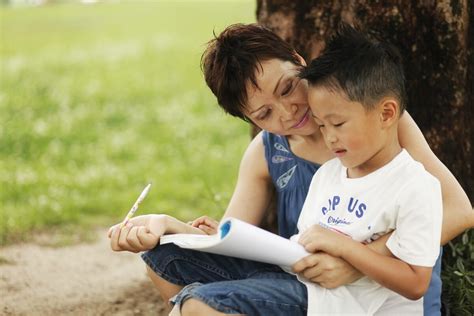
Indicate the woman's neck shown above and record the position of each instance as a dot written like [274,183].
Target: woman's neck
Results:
[310,147]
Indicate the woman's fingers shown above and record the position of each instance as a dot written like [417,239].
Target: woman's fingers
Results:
[208,230]
[147,239]
[133,242]
[114,239]
[205,220]
[122,241]
[206,224]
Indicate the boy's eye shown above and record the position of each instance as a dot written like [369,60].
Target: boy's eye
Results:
[339,124]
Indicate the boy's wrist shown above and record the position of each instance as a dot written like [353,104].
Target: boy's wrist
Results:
[346,247]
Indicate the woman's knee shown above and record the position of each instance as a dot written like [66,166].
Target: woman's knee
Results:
[194,307]
[166,289]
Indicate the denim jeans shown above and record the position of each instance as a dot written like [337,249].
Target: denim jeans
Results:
[229,285]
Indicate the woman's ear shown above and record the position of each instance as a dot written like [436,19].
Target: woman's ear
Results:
[389,111]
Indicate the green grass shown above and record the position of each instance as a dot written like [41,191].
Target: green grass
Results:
[98,100]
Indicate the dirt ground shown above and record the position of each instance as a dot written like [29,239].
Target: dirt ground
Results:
[83,279]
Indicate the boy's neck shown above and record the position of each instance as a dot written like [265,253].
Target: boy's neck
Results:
[381,158]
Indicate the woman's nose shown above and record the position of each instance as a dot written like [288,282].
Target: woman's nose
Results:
[288,111]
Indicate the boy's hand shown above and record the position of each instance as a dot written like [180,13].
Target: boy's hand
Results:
[206,224]
[317,238]
[141,233]
[326,270]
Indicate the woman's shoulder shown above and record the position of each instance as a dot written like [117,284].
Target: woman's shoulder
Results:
[254,157]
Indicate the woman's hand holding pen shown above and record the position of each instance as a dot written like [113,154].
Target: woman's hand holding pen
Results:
[143,232]
[139,234]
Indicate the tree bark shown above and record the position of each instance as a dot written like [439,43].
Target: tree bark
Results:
[435,39]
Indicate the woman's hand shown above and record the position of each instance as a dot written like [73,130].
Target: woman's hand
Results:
[326,270]
[141,233]
[206,224]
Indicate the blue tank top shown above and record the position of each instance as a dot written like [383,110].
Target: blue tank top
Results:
[291,176]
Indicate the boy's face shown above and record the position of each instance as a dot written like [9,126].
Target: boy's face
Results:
[353,134]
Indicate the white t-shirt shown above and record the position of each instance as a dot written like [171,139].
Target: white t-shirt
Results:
[400,196]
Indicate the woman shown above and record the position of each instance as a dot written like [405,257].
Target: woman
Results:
[252,72]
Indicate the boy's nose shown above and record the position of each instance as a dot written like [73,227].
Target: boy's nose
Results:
[331,137]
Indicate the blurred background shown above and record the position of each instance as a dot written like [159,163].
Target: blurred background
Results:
[99,98]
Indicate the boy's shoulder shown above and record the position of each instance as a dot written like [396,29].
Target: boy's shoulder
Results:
[332,166]
[415,175]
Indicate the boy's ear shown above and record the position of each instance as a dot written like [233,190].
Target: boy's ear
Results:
[301,59]
[389,112]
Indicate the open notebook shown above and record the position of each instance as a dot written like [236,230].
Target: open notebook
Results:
[239,239]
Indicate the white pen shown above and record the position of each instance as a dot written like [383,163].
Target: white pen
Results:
[135,205]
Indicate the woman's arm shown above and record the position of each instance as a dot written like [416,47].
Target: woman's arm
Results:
[249,202]
[457,210]
[253,190]
[143,232]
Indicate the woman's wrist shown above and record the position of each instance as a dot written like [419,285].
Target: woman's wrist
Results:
[158,224]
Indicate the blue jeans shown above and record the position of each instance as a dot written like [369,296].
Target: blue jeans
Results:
[432,298]
[229,285]
[232,285]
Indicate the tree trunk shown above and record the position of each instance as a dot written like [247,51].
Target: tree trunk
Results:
[435,39]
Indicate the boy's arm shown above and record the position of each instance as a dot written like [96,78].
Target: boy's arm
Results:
[408,280]
[458,214]
[331,272]
[415,241]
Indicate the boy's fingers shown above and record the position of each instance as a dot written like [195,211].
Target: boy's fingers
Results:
[304,263]
[312,246]
[312,273]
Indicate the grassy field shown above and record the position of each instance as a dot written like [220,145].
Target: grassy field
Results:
[98,100]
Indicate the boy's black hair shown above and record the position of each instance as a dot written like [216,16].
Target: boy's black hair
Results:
[360,65]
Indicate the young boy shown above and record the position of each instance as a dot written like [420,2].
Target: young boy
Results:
[357,94]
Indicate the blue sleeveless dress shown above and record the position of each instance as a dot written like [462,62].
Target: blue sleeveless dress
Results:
[291,176]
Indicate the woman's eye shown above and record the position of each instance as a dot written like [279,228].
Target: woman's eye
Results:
[339,124]
[264,115]
[287,89]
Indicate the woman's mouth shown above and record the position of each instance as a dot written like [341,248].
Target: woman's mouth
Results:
[303,120]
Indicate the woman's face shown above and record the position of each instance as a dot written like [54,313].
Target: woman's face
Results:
[280,106]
